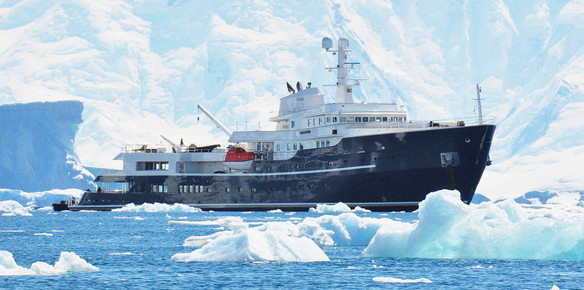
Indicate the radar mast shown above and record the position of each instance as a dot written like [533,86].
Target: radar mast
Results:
[344,94]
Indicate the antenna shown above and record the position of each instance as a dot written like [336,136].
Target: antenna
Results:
[478,99]
[344,93]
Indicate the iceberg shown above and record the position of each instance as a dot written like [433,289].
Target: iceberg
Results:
[448,228]
[40,198]
[272,242]
[13,208]
[68,262]
[39,154]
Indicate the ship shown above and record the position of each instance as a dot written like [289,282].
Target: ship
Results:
[362,154]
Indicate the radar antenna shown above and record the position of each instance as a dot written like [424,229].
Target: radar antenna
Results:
[344,92]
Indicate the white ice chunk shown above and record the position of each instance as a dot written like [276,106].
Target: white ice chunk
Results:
[255,245]
[68,262]
[398,280]
[157,207]
[331,209]
[14,208]
[448,228]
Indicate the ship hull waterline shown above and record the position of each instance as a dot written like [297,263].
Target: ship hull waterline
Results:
[386,172]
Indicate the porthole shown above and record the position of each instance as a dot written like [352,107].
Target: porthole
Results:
[240,189]
[253,189]
[320,164]
[227,189]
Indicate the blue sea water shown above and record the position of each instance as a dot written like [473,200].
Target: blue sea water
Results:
[134,250]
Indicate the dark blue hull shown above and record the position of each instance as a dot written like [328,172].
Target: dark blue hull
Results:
[381,172]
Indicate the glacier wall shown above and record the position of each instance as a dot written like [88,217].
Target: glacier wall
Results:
[37,146]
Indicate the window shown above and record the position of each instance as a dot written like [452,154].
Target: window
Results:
[155,165]
[278,147]
[384,119]
[378,119]
[321,143]
[319,121]
[295,146]
[191,188]
[350,119]
[328,119]
[288,147]
[358,119]
[334,119]
[317,144]
[365,119]
[292,124]
[309,122]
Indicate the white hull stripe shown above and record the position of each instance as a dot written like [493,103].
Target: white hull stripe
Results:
[261,174]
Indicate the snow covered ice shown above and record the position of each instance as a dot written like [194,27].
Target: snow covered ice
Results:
[12,208]
[272,243]
[157,207]
[68,262]
[447,228]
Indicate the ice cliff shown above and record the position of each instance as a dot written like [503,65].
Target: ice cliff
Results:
[37,151]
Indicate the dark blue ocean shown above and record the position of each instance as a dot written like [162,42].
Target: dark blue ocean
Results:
[134,250]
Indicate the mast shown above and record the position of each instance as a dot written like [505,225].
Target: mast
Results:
[344,92]
[479,104]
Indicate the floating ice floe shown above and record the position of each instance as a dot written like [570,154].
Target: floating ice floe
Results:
[335,208]
[68,262]
[41,198]
[270,242]
[157,207]
[344,229]
[448,228]
[398,280]
[14,208]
